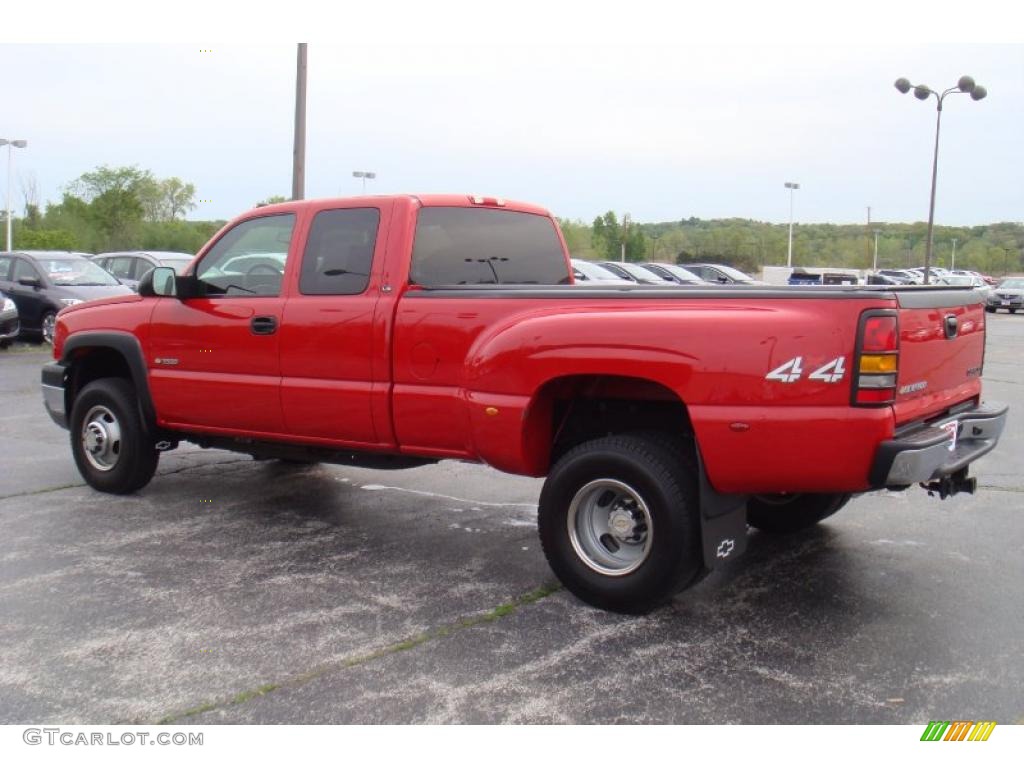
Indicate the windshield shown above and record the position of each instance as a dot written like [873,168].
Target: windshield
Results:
[75,272]
[595,271]
[682,273]
[959,280]
[1014,283]
[178,264]
[735,274]
[641,273]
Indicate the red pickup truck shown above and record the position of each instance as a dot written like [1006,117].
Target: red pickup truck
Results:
[401,330]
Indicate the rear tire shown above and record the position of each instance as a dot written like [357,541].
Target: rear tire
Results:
[619,522]
[1013,311]
[990,309]
[784,514]
[112,447]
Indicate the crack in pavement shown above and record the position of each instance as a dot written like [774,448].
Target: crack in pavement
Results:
[179,470]
[407,644]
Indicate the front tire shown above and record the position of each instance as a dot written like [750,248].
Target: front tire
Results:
[619,522]
[111,445]
[783,514]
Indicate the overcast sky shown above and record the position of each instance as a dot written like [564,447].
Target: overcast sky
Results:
[661,131]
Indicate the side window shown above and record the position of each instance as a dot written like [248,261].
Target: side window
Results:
[249,260]
[5,267]
[121,267]
[23,269]
[339,252]
[474,246]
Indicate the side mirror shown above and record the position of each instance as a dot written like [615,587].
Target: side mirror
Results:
[31,282]
[158,282]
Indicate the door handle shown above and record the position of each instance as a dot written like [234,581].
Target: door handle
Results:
[264,325]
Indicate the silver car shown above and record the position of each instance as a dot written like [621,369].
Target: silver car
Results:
[10,326]
[1008,295]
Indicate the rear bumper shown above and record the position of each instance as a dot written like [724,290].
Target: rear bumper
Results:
[930,452]
[53,393]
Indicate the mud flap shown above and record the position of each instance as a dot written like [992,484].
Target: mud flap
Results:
[723,523]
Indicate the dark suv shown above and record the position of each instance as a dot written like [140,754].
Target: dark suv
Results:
[41,283]
[130,266]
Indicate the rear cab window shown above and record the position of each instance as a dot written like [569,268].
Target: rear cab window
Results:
[339,252]
[474,246]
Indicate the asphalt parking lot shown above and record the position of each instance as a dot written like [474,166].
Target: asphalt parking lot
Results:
[234,591]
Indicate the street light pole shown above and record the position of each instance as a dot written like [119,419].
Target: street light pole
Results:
[965,84]
[625,233]
[875,268]
[20,144]
[791,186]
[952,259]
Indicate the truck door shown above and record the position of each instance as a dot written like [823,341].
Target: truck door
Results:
[214,359]
[334,364]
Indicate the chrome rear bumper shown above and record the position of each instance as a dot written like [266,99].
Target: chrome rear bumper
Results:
[932,452]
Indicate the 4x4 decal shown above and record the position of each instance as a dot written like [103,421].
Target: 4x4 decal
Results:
[790,371]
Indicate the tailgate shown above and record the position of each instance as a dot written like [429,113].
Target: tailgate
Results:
[942,348]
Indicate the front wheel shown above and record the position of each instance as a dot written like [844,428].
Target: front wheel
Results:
[110,443]
[990,309]
[618,522]
[789,513]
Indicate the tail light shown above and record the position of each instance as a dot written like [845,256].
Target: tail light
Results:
[876,359]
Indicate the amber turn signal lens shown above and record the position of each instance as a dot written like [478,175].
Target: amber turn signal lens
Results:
[878,363]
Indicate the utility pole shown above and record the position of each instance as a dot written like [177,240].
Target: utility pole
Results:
[952,259]
[875,269]
[299,155]
[790,185]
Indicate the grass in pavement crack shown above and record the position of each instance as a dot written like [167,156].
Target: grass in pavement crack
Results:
[407,644]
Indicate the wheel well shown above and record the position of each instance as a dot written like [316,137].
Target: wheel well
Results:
[573,409]
[93,363]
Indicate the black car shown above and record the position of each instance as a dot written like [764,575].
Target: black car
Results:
[674,272]
[41,283]
[130,266]
[10,326]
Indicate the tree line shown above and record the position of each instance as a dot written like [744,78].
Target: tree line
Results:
[129,208]
[114,209]
[750,245]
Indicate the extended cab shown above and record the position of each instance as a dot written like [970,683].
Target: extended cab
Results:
[400,330]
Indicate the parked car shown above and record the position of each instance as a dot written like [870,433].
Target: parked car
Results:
[42,283]
[630,271]
[10,326]
[1008,295]
[720,273]
[970,272]
[968,281]
[901,276]
[130,266]
[675,273]
[588,273]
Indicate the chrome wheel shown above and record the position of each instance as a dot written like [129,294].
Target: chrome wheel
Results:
[49,323]
[610,527]
[101,438]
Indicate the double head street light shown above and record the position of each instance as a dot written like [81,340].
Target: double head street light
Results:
[20,144]
[965,85]
[364,175]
